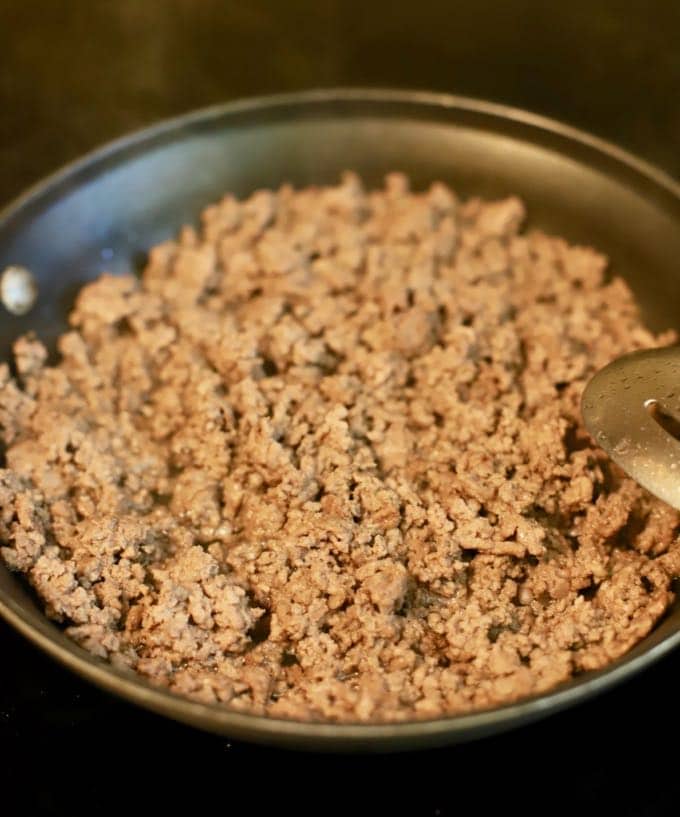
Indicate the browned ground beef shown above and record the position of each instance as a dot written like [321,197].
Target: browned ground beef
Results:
[326,461]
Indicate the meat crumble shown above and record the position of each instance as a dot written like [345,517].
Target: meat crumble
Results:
[325,460]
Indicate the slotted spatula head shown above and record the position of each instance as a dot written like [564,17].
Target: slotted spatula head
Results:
[629,407]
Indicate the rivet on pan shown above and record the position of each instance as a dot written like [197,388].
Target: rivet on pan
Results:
[18,290]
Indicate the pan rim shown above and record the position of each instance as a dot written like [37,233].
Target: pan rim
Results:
[328,735]
[341,94]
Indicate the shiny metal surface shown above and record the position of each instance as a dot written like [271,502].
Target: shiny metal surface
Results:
[623,408]
[108,209]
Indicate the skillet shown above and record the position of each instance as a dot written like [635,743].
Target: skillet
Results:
[105,211]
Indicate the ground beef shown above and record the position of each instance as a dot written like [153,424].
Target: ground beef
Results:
[325,460]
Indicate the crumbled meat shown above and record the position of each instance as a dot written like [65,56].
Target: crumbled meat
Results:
[325,460]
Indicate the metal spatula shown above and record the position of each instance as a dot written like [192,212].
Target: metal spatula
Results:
[630,408]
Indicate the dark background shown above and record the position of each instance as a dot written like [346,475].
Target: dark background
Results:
[76,73]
